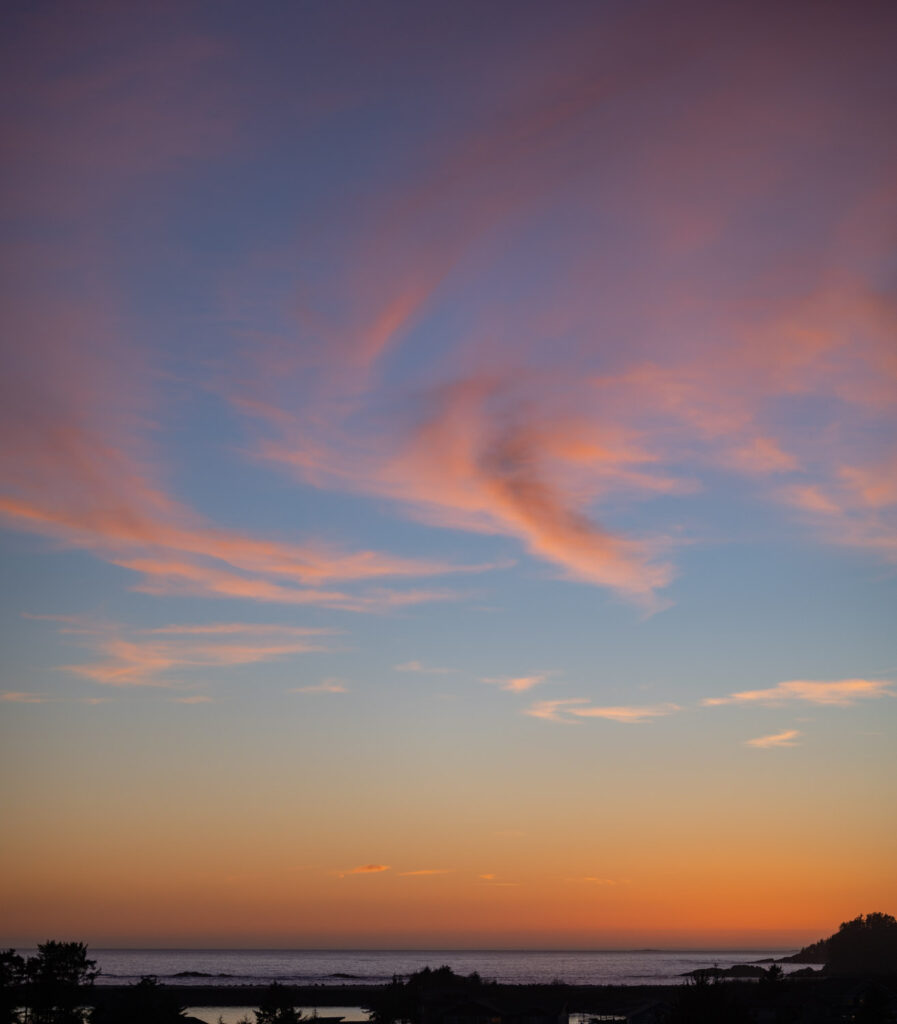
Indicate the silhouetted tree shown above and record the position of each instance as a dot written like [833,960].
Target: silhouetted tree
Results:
[706,1001]
[404,1001]
[772,979]
[147,1002]
[864,946]
[57,983]
[278,1007]
[393,1002]
[12,977]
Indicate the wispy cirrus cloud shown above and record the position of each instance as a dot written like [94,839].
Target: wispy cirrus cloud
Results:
[419,666]
[243,628]
[855,507]
[155,657]
[19,697]
[421,872]
[13,697]
[837,693]
[367,869]
[77,470]
[325,686]
[533,422]
[478,462]
[574,709]
[788,738]
[518,684]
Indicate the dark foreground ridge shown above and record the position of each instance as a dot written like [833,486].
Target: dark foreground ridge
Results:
[821,1001]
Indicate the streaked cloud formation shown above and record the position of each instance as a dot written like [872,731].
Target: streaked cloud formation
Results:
[134,657]
[572,709]
[787,738]
[417,666]
[326,686]
[424,871]
[839,692]
[518,684]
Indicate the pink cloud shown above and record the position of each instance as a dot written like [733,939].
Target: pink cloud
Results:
[148,98]
[838,693]
[519,684]
[630,372]
[417,666]
[327,686]
[500,437]
[872,486]
[243,628]
[788,738]
[469,465]
[762,455]
[130,657]
[573,709]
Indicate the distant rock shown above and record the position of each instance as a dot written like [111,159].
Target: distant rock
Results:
[737,971]
[199,974]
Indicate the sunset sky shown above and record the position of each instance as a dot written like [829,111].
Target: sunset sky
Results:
[449,472]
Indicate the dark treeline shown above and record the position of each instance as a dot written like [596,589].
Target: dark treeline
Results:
[56,986]
[49,988]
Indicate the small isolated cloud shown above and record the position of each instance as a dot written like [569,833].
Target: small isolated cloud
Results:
[780,739]
[487,878]
[368,869]
[425,871]
[419,666]
[325,686]
[631,715]
[573,709]
[839,692]
[518,684]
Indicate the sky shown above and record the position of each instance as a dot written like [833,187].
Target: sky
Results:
[449,476]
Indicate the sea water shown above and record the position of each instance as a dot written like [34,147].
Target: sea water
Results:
[377,967]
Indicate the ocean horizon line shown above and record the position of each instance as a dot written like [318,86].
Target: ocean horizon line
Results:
[438,949]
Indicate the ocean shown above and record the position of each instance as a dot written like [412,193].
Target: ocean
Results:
[376,967]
